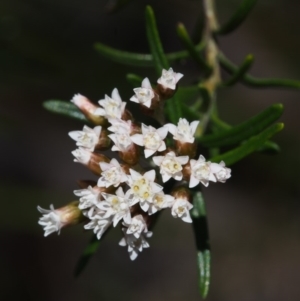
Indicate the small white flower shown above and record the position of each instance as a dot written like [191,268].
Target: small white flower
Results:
[88,197]
[119,124]
[169,78]
[201,171]
[151,139]
[142,188]
[135,245]
[98,224]
[181,208]
[51,220]
[171,166]
[184,131]
[160,201]
[221,172]
[122,141]
[144,94]
[137,226]
[111,107]
[82,155]
[116,206]
[112,174]
[87,138]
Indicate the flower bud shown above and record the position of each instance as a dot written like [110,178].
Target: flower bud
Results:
[55,219]
[90,160]
[88,109]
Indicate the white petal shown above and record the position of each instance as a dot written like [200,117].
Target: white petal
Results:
[150,175]
[163,132]
[157,160]
[137,139]
[148,152]
[193,182]
[146,83]
[187,218]
[115,95]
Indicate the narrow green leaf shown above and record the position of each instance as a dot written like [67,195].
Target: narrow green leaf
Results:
[241,71]
[124,57]
[249,146]
[255,82]
[139,59]
[200,225]
[269,148]
[159,58]
[189,45]
[64,108]
[134,80]
[238,17]
[245,130]
[88,252]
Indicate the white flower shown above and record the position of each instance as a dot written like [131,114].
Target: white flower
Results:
[88,197]
[144,94]
[111,107]
[119,124]
[221,172]
[98,224]
[160,201]
[135,245]
[82,155]
[137,226]
[181,208]
[201,171]
[151,139]
[142,188]
[87,138]
[170,166]
[122,140]
[184,131]
[169,78]
[116,206]
[51,220]
[112,174]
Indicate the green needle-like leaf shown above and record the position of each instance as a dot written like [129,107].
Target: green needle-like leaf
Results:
[124,57]
[255,82]
[88,252]
[200,226]
[189,45]
[249,146]
[269,148]
[245,130]
[64,108]
[238,17]
[241,71]
[139,59]
[159,58]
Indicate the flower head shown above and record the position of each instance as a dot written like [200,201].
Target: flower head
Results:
[112,107]
[54,219]
[201,171]
[181,208]
[137,226]
[142,188]
[87,138]
[170,166]
[151,139]
[144,94]
[112,174]
[184,131]
[221,172]
[169,78]
[160,201]
[88,197]
[135,245]
[115,206]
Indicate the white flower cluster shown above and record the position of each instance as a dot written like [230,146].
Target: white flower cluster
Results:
[128,193]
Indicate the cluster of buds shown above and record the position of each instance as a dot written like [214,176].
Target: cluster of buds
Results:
[130,191]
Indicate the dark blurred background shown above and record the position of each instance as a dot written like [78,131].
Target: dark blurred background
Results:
[46,52]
